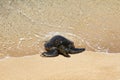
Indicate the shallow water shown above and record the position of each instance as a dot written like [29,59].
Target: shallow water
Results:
[26,24]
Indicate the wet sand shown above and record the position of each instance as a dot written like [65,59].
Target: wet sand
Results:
[85,66]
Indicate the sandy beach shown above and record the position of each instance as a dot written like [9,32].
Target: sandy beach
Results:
[84,66]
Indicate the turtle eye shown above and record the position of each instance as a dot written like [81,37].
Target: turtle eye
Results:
[47,49]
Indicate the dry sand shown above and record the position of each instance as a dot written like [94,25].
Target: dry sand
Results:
[85,66]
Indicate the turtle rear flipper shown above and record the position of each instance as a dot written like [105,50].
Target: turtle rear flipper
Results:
[76,50]
[51,53]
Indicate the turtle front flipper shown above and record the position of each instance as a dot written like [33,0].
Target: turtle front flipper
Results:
[76,50]
[51,53]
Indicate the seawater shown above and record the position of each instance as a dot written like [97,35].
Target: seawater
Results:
[25,25]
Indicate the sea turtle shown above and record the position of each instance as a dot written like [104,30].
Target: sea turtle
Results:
[60,45]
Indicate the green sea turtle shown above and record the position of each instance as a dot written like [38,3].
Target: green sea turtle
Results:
[60,45]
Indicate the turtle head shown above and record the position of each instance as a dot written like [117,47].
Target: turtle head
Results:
[48,46]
